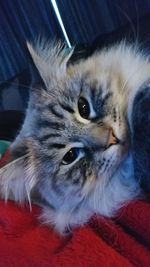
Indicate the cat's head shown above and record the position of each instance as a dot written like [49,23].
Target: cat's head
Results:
[75,134]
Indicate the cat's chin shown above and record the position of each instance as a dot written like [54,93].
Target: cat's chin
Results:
[105,200]
[112,193]
[64,221]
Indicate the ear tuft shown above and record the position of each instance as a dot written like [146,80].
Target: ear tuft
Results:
[50,58]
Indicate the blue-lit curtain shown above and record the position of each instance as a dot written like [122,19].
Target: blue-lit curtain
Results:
[22,20]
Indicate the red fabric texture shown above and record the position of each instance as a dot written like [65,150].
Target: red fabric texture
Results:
[123,242]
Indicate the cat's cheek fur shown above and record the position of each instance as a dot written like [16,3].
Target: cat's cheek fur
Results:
[106,198]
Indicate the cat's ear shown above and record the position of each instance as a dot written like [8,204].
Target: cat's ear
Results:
[50,59]
[17,180]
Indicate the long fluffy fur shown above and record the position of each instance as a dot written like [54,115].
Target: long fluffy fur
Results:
[100,182]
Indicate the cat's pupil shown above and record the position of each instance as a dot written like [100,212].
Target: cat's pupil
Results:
[84,108]
[71,156]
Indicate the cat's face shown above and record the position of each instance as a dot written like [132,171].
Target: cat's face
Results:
[80,133]
[76,129]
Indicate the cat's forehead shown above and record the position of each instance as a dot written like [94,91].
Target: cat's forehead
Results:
[116,67]
[97,74]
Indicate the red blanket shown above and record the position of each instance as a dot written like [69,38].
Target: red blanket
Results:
[24,242]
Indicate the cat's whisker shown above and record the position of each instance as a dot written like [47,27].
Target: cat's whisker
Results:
[19,84]
[16,84]
[134,30]
[104,184]
[29,200]
[137,22]
[141,44]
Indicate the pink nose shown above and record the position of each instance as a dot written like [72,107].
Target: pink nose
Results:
[112,139]
[104,136]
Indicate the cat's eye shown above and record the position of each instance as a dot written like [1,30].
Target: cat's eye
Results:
[71,156]
[84,108]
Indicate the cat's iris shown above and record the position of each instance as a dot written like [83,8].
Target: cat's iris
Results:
[71,156]
[84,108]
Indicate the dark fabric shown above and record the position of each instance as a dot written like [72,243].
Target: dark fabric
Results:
[141,137]
[142,38]
[86,20]
[10,123]
[14,92]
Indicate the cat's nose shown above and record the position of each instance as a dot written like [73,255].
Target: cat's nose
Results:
[104,136]
[112,139]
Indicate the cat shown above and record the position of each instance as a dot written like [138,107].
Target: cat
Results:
[73,153]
